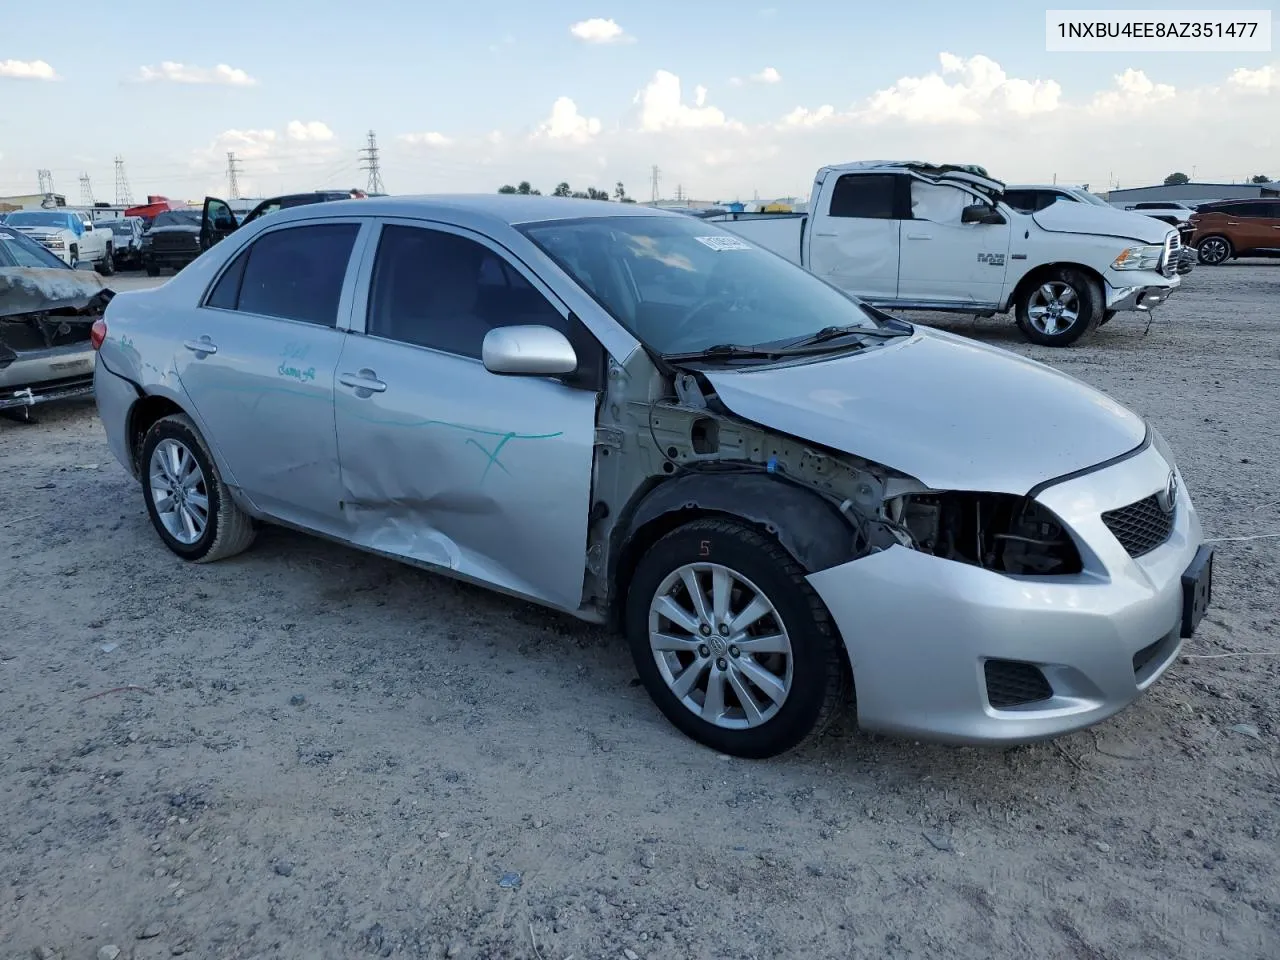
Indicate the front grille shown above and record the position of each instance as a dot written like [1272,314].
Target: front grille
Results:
[1011,683]
[1172,254]
[1140,527]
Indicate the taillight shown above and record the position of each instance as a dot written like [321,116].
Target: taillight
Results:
[98,333]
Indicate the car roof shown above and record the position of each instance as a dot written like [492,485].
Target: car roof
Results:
[492,208]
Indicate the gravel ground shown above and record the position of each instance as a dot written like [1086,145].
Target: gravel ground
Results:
[307,752]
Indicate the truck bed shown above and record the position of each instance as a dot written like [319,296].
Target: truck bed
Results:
[783,233]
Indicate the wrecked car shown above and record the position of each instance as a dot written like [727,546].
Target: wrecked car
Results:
[47,310]
[778,494]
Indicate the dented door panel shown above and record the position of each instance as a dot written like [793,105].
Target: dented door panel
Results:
[453,466]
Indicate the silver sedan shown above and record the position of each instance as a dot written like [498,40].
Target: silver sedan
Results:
[778,494]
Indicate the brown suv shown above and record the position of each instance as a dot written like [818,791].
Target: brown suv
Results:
[1228,229]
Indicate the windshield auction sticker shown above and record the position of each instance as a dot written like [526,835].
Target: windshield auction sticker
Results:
[1158,31]
[723,243]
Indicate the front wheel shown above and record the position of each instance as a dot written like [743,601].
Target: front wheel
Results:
[1062,308]
[733,645]
[1213,251]
[189,505]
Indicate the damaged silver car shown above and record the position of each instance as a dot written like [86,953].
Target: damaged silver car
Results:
[47,311]
[780,495]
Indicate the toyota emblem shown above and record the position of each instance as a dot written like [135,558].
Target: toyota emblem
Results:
[1168,497]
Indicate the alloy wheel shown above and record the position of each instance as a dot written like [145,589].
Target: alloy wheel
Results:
[179,491]
[1053,308]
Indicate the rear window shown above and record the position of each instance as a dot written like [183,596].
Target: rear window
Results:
[864,197]
[297,273]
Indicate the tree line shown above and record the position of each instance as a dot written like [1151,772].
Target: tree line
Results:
[564,190]
[1179,178]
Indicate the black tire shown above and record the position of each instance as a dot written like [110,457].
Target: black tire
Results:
[819,684]
[1214,251]
[74,256]
[108,265]
[228,530]
[1107,318]
[153,270]
[1091,306]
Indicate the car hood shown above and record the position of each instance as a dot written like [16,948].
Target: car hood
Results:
[1065,217]
[40,289]
[951,412]
[173,228]
[34,231]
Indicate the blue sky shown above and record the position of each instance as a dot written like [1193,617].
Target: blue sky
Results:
[403,68]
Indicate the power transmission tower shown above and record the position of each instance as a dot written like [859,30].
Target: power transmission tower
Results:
[124,196]
[86,191]
[654,176]
[679,193]
[233,167]
[46,181]
[369,161]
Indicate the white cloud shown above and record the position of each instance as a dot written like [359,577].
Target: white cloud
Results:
[314,131]
[662,106]
[735,81]
[1133,91]
[429,138]
[767,75]
[27,70]
[1262,80]
[567,124]
[598,30]
[804,117]
[980,86]
[184,73]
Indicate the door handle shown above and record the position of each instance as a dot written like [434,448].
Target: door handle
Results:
[826,234]
[919,236]
[363,383]
[203,345]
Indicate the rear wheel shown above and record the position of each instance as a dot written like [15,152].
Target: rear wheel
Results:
[1062,308]
[108,265]
[189,505]
[153,270]
[1213,251]
[733,645]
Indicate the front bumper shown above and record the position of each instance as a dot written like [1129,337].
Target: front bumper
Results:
[920,630]
[1142,297]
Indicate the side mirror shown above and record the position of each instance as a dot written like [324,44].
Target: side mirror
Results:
[88,228]
[84,265]
[531,351]
[981,213]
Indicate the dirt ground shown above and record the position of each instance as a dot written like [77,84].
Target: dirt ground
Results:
[305,752]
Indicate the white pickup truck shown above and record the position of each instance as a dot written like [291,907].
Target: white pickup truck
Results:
[70,235]
[916,236]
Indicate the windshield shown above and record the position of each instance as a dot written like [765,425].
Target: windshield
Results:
[121,227]
[1084,196]
[37,218]
[19,251]
[681,286]
[173,218]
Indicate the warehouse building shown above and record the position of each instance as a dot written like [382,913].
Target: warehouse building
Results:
[1193,193]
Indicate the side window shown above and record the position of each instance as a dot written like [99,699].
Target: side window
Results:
[297,273]
[864,197]
[1258,208]
[440,290]
[938,202]
[226,293]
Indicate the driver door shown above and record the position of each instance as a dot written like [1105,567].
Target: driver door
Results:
[217,222]
[945,260]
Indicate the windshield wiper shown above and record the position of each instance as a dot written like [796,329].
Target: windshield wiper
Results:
[726,351]
[834,333]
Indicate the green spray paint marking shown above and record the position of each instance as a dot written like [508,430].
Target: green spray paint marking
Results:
[302,376]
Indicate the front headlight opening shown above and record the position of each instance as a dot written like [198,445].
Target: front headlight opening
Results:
[1145,257]
[996,531]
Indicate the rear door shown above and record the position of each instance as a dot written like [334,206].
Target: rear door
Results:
[854,240]
[259,363]
[1257,225]
[444,462]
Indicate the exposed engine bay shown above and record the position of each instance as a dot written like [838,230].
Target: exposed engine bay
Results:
[678,439]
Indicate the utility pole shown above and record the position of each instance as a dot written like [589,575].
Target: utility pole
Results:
[86,191]
[124,196]
[1055,179]
[46,181]
[233,168]
[369,161]
[654,176]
